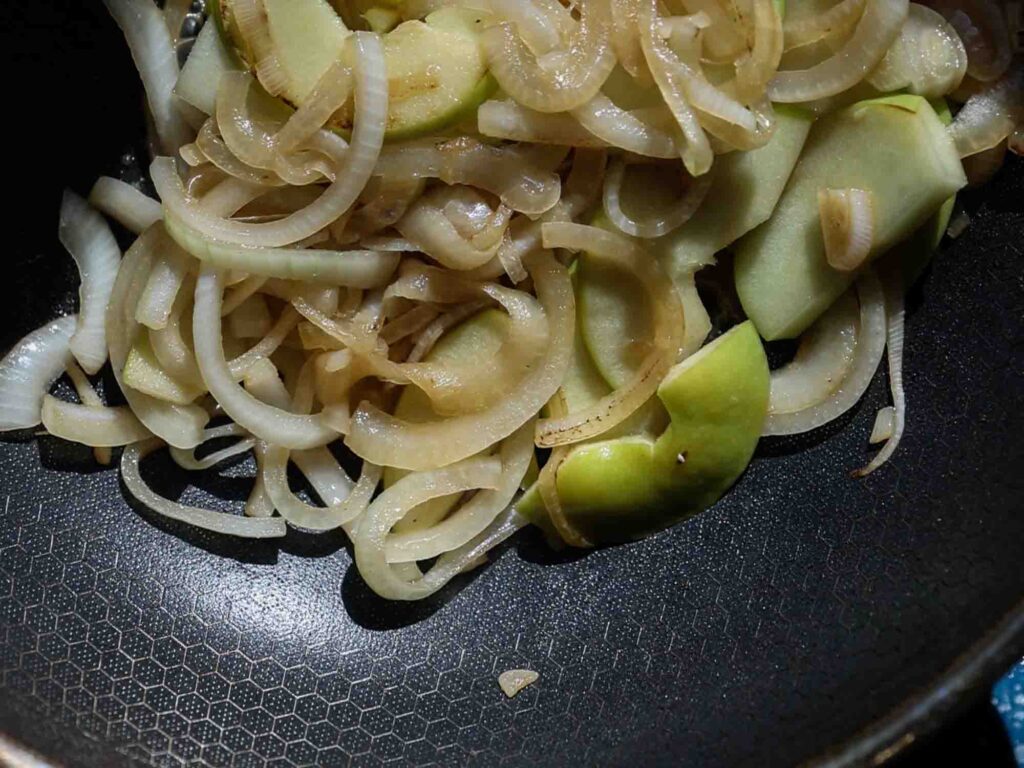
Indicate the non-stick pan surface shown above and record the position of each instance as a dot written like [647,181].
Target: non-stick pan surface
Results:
[806,615]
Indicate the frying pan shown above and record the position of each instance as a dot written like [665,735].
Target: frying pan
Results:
[807,617]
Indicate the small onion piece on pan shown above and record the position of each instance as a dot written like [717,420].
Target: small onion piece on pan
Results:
[28,371]
[88,239]
[870,345]
[847,226]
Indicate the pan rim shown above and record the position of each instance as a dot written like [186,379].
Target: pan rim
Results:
[922,714]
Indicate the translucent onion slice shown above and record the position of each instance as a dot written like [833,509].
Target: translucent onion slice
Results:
[87,396]
[264,421]
[388,441]
[982,27]
[251,20]
[656,226]
[822,363]
[186,459]
[153,52]
[178,425]
[88,239]
[91,425]
[371,102]
[616,127]
[547,486]
[835,23]
[695,148]
[561,80]
[625,37]
[28,371]
[475,515]
[867,355]
[894,347]
[370,541]
[251,320]
[927,57]
[504,119]
[847,226]
[877,29]
[124,203]
[982,166]
[1015,143]
[355,269]
[756,68]
[157,301]
[992,115]
[426,226]
[523,177]
[617,406]
[219,522]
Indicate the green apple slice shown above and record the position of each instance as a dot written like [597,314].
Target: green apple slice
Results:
[626,488]
[897,148]
[744,191]
[437,73]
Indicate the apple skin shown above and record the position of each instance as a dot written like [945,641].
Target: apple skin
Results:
[627,488]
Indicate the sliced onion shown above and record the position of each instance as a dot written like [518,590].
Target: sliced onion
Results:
[266,422]
[522,176]
[847,225]
[877,29]
[88,239]
[927,57]
[370,541]
[91,425]
[125,204]
[547,482]
[1015,143]
[473,516]
[756,68]
[821,365]
[385,440]
[251,320]
[625,36]
[695,148]
[179,425]
[153,52]
[983,29]
[678,215]
[186,459]
[560,80]
[87,396]
[894,347]
[504,119]
[165,280]
[28,371]
[251,19]
[357,269]
[617,406]
[371,103]
[866,357]
[219,522]
[426,226]
[384,201]
[992,115]
[835,23]
[616,127]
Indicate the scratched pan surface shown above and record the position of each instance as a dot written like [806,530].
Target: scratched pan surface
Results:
[807,615]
